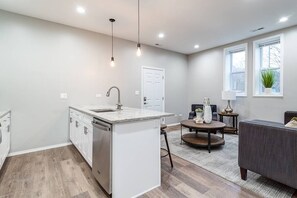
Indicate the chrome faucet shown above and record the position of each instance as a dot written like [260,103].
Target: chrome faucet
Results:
[119,105]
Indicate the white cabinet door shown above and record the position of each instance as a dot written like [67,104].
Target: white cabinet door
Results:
[2,148]
[71,128]
[6,134]
[88,144]
[77,134]
[84,141]
[4,138]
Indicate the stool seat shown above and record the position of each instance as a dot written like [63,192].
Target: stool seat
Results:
[163,126]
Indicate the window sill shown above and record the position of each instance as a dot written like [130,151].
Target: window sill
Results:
[241,95]
[268,96]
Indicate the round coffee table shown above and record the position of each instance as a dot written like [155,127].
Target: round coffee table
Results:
[203,140]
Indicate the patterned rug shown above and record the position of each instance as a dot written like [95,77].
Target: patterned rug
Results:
[222,161]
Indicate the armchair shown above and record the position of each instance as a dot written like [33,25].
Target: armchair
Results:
[269,149]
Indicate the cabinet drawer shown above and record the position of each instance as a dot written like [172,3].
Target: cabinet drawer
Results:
[5,121]
[87,120]
[75,114]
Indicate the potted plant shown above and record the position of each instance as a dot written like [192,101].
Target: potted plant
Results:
[199,113]
[268,80]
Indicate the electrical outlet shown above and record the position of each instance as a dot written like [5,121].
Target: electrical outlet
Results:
[136,93]
[63,96]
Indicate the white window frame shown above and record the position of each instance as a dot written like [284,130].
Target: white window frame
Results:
[227,68]
[256,66]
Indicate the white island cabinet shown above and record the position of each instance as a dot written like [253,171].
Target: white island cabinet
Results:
[135,166]
[4,136]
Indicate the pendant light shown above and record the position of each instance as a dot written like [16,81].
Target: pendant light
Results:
[112,64]
[138,52]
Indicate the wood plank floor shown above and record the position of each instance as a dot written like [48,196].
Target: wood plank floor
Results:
[62,172]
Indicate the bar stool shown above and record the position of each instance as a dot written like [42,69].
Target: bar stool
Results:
[163,132]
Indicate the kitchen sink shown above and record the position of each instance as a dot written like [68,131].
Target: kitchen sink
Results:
[102,110]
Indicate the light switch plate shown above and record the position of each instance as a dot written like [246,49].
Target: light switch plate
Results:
[136,92]
[63,96]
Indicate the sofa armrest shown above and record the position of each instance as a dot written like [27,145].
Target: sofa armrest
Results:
[289,115]
[269,149]
[192,114]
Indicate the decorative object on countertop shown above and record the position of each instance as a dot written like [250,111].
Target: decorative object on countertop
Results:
[268,80]
[112,64]
[119,105]
[207,111]
[228,95]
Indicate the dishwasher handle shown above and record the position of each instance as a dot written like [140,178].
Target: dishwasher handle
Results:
[100,126]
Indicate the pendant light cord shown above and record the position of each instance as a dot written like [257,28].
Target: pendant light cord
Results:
[112,39]
[138,23]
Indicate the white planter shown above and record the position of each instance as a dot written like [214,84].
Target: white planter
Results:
[199,114]
[268,90]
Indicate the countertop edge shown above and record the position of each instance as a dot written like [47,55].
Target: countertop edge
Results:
[4,113]
[120,121]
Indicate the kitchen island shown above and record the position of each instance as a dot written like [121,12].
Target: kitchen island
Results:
[125,158]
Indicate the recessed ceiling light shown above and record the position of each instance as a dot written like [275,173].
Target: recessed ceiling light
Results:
[283,19]
[196,46]
[80,10]
[161,35]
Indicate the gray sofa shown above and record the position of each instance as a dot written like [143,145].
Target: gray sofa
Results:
[269,149]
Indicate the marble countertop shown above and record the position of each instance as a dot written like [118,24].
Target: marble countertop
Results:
[125,115]
[3,113]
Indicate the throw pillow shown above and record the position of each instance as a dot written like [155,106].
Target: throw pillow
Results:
[292,123]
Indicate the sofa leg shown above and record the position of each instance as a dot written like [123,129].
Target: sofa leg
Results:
[243,173]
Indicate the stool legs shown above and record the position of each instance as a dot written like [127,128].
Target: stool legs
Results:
[165,135]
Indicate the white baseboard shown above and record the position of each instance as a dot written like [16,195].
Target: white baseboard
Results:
[38,149]
[173,124]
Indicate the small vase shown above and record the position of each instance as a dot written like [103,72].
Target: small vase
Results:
[268,90]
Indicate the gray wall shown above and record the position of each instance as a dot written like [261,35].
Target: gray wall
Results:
[205,79]
[39,60]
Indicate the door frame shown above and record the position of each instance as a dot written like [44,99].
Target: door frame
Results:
[142,84]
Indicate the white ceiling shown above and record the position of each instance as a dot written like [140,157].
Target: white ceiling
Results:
[209,23]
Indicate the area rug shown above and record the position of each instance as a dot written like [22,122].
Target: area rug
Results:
[222,161]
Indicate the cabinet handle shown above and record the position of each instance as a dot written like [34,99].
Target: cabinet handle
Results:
[0,136]
[70,120]
[76,124]
[85,130]
[8,128]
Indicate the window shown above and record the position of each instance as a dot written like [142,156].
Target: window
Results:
[235,69]
[268,56]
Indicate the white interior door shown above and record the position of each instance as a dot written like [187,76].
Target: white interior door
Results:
[153,88]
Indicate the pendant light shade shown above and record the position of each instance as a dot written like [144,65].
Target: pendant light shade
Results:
[138,52]
[112,64]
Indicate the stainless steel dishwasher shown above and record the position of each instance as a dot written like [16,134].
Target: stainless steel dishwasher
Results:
[102,153]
